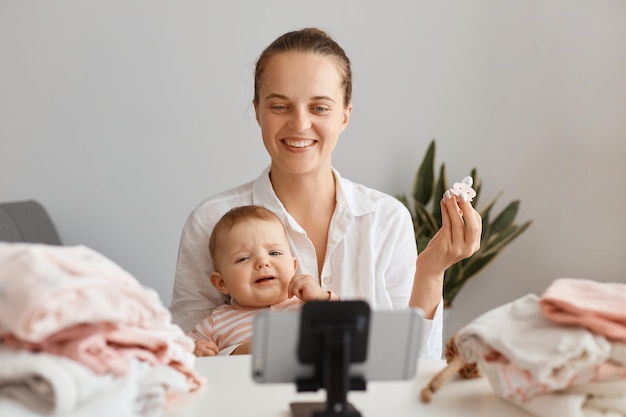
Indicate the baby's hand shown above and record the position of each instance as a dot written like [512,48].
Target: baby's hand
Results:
[205,348]
[306,288]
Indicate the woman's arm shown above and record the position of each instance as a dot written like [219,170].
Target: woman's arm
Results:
[458,238]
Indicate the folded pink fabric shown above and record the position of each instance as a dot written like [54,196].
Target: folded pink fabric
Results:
[72,301]
[597,306]
[44,289]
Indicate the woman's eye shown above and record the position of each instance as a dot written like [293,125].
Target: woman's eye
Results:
[320,109]
[278,107]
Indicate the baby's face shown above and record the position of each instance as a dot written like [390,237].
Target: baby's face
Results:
[256,263]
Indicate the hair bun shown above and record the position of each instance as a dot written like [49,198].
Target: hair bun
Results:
[316,31]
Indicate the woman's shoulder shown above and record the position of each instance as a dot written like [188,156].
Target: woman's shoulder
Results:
[359,195]
[223,201]
[241,192]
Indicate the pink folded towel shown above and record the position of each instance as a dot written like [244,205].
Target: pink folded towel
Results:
[44,289]
[599,307]
[74,302]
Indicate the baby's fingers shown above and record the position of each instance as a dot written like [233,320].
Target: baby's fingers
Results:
[205,348]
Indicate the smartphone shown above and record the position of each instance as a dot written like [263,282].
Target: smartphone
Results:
[393,346]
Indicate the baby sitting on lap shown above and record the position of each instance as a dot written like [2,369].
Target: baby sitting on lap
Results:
[255,268]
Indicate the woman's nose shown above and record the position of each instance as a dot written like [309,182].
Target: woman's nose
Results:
[300,121]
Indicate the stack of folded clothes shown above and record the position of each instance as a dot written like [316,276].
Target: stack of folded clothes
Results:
[81,336]
[560,354]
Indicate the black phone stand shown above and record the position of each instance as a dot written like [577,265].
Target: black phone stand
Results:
[333,334]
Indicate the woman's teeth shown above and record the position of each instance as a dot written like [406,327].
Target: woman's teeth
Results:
[299,143]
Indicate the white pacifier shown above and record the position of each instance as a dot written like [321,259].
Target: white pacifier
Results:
[464,189]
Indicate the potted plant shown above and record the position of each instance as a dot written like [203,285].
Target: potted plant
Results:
[498,231]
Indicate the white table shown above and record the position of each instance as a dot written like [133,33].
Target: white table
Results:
[230,391]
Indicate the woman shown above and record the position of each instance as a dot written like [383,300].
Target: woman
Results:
[358,242]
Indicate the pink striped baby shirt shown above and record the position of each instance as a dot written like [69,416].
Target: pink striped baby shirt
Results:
[230,325]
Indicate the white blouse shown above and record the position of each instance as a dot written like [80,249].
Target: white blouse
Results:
[371,253]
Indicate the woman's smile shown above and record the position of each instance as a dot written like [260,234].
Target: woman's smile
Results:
[299,143]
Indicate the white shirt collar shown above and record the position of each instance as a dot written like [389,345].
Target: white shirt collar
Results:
[357,203]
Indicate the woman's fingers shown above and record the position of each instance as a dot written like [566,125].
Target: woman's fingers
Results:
[473,225]
[462,225]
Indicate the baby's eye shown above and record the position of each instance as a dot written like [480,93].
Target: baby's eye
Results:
[242,259]
[275,253]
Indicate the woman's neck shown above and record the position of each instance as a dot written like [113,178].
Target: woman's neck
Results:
[304,193]
[310,199]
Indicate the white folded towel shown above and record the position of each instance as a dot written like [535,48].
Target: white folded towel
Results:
[38,383]
[597,399]
[46,383]
[524,354]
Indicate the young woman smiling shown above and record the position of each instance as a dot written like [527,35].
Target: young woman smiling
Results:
[358,242]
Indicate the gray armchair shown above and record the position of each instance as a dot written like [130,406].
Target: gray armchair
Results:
[27,221]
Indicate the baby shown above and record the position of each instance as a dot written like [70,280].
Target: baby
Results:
[255,269]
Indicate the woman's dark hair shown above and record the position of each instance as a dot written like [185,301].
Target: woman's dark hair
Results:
[306,40]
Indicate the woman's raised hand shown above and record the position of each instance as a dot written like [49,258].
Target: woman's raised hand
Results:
[459,236]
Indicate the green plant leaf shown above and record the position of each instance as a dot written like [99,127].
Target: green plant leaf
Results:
[505,237]
[477,185]
[484,211]
[422,242]
[426,218]
[425,176]
[505,218]
[476,263]
[452,275]
[440,188]
[486,232]
[496,239]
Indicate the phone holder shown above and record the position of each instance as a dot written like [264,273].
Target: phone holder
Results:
[333,334]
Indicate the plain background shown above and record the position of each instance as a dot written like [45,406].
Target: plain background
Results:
[121,116]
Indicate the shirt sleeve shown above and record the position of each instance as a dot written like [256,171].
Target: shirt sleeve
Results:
[398,242]
[193,296]
[431,345]
[203,330]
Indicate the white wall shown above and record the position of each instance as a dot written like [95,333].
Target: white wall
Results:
[120,116]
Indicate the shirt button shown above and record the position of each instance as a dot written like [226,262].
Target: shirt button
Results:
[328,280]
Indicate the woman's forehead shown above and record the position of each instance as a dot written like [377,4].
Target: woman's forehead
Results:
[301,73]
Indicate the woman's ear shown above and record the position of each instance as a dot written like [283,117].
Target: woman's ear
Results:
[256,112]
[218,282]
[347,111]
